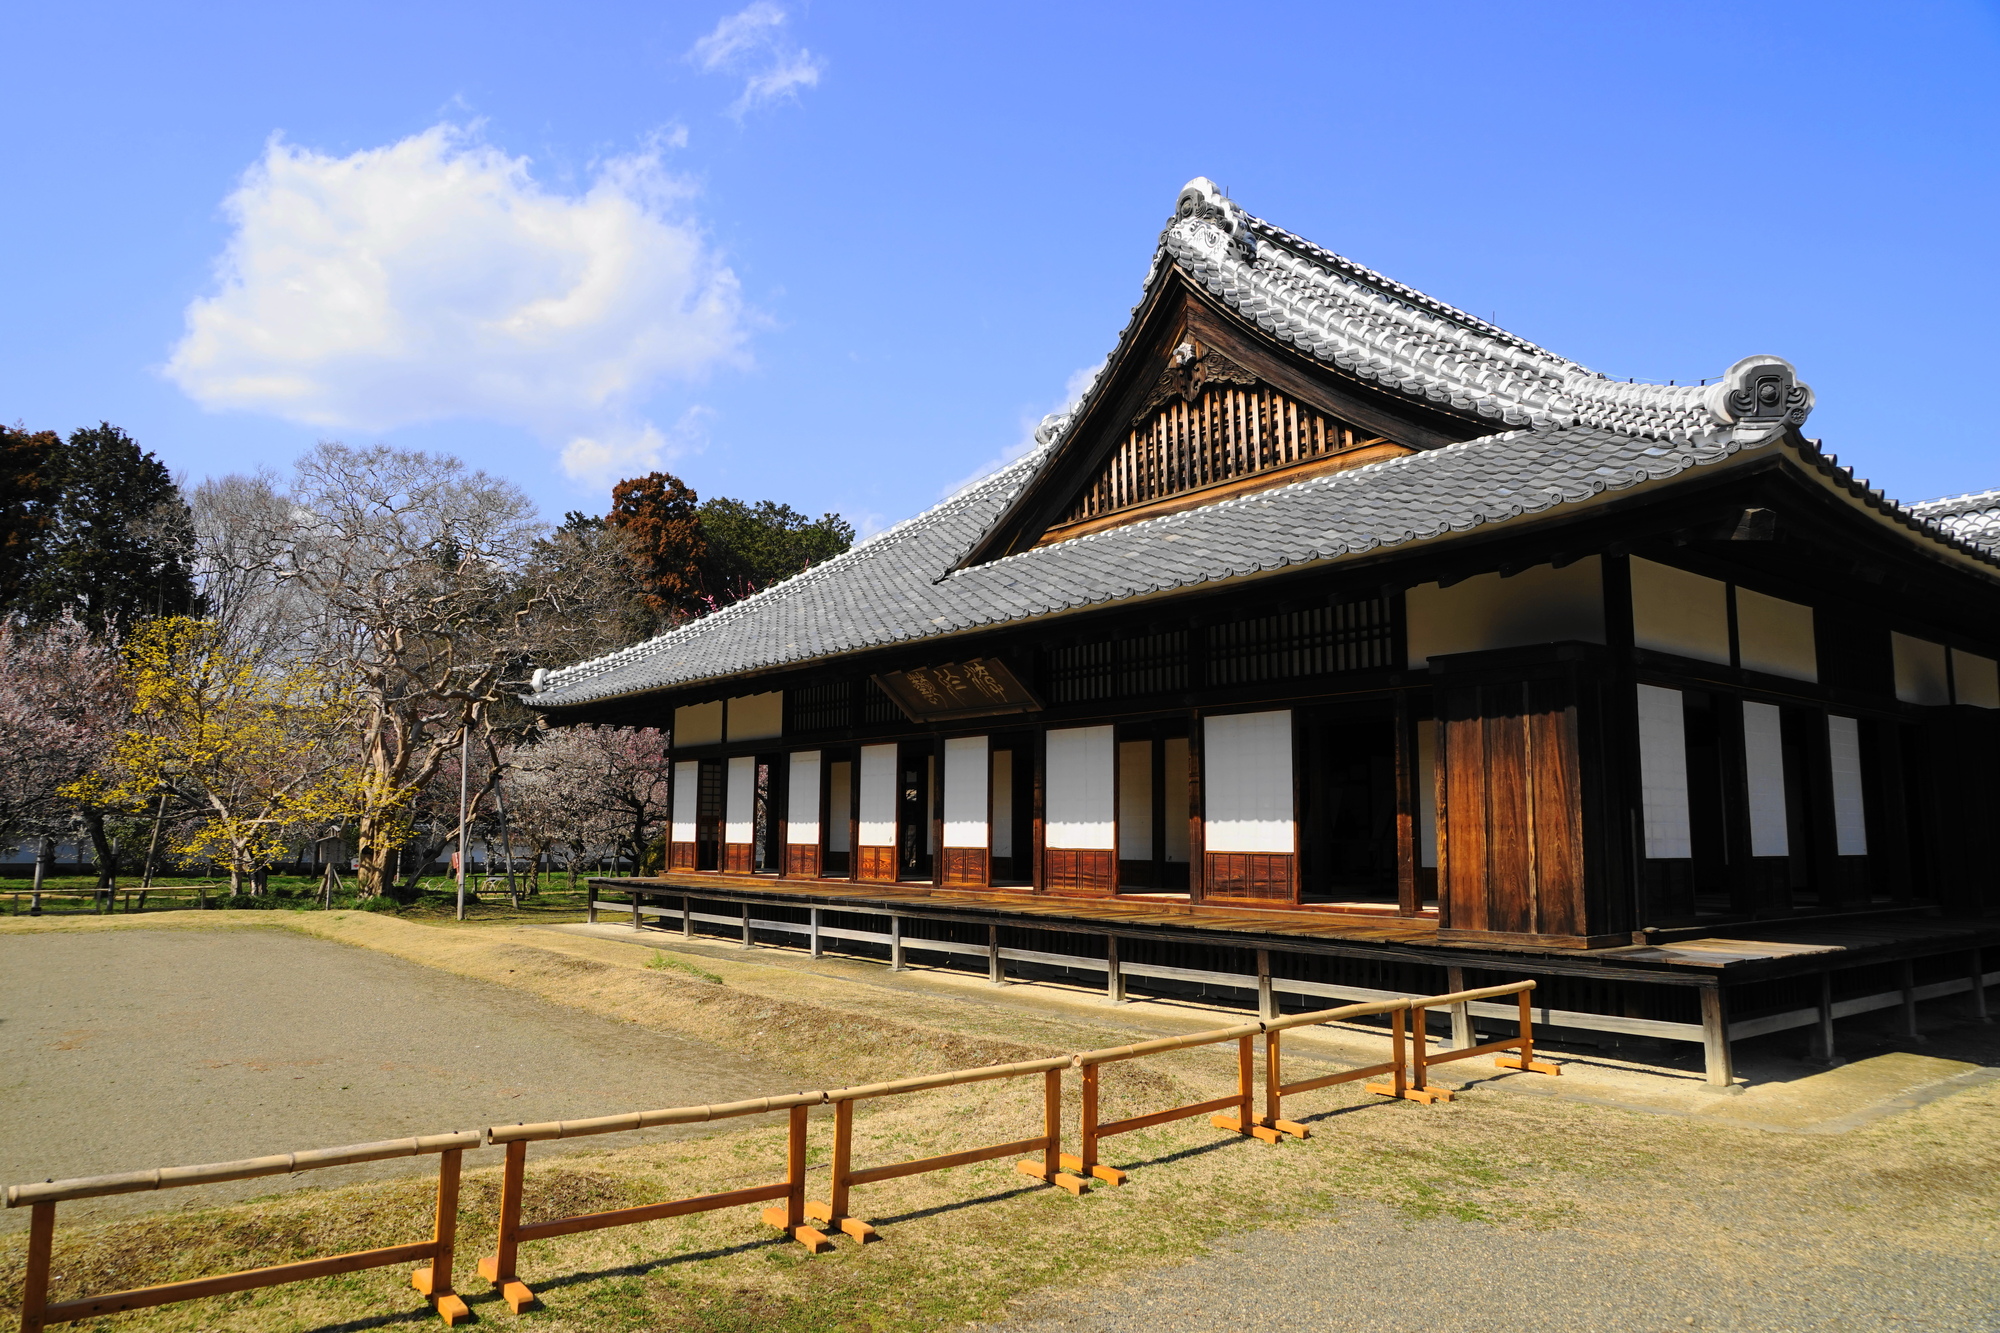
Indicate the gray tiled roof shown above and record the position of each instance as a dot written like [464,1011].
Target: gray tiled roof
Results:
[1581,435]
[895,589]
[1973,519]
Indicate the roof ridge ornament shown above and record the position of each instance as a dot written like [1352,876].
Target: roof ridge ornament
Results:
[1760,391]
[1203,200]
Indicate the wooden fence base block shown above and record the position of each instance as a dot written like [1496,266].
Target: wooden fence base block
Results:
[814,1240]
[421,1280]
[1110,1175]
[1428,1096]
[1533,1066]
[850,1226]
[1380,1089]
[1061,1179]
[1291,1127]
[451,1309]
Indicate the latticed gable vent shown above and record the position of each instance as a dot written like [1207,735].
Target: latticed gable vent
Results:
[1210,422]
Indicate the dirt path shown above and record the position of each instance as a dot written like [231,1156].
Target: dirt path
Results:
[138,1048]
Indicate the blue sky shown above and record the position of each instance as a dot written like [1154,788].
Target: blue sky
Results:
[845,255]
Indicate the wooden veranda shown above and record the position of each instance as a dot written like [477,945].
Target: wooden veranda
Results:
[1711,989]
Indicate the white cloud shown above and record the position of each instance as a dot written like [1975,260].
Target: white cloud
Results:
[634,449]
[436,278]
[753,43]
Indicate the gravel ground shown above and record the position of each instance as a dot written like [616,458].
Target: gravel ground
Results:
[123,1050]
[1375,1270]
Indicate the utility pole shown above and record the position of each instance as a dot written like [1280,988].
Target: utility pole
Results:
[464,773]
[44,849]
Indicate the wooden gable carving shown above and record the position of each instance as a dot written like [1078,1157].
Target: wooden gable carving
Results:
[1197,405]
[1208,422]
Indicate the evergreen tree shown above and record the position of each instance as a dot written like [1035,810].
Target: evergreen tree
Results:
[752,546]
[116,539]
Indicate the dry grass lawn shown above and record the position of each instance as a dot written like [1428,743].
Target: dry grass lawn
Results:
[959,1246]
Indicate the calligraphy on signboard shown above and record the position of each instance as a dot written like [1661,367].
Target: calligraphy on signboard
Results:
[977,688]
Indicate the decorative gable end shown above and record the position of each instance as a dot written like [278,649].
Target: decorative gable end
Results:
[1210,424]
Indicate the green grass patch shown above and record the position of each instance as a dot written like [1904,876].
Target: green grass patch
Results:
[661,962]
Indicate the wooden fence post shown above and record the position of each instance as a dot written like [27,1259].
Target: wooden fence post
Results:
[1979,1014]
[896,944]
[35,1282]
[499,1268]
[746,926]
[687,917]
[996,971]
[434,1280]
[815,933]
[1114,977]
[1266,1002]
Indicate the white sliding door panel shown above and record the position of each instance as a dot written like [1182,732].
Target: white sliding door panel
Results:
[1082,775]
[739,820]
[802,801]
[1247,767]
[1663,776]
[687,795]
[878,796]
[1764,766]
[966,772]
[1850,811]
[1135,800]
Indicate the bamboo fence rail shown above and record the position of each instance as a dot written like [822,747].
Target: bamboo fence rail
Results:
[499,1267]
[1048,1143]
[433,1280]
[1406,1071]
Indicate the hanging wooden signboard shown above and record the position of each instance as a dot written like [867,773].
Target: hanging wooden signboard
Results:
[981,687]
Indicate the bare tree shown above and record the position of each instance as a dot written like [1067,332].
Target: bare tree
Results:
[417,566]
[244,528]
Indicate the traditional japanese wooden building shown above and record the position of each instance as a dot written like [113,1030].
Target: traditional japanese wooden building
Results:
[1337,625]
